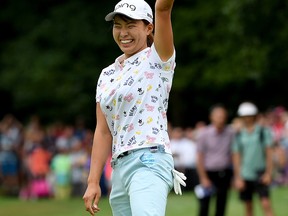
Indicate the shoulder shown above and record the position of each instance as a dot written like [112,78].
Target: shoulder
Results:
[167,65]
[204,132]
[229,129]
[109,70]
[264,129]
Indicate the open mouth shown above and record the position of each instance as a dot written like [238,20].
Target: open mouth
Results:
[126,41]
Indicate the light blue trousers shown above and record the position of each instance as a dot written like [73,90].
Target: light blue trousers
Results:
[141,182]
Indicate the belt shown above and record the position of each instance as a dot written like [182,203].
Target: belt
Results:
[152,149]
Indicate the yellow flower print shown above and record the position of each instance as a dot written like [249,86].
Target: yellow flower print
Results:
[167,68]
[114,102]
[119,78]
[115,117]
[149,87]
[119,128]
[139,101]
[149,119]
[138,132]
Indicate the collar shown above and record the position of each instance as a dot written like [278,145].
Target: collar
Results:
[256,129]
[129,60]
[215,131]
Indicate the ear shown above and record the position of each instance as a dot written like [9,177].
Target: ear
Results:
[150,28]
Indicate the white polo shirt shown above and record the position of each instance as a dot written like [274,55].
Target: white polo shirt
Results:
[134,99]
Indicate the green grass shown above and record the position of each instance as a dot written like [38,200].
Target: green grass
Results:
[185,205]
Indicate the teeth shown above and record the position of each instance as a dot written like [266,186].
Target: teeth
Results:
[126,41]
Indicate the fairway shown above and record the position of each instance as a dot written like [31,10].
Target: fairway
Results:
[177,206]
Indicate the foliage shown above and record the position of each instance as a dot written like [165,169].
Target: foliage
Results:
[53,51]
[52,65]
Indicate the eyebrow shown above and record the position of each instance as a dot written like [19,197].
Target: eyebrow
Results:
[127,22]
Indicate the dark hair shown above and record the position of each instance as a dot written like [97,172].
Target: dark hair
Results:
[217,106]
[150,37]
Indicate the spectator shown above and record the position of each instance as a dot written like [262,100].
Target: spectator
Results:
[10,141]
[199,126]
[38,166]
[189,159]
[67,139]
[78,160]
[252,158]
[61,170]
[214,160]
[176,136]
[184,154]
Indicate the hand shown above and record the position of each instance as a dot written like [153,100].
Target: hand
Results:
[205,182]
[91,198]
[239,184]
[266,178]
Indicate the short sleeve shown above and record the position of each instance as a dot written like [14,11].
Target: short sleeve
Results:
[235,144]
[268,139]
[167,66]
[98,94]
[201,142]
[99,87]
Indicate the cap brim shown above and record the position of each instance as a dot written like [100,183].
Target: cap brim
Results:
[110,16]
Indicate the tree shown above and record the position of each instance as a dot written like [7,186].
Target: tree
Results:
[52,52]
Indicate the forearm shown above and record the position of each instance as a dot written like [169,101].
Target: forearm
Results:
[269,161]
[100,152]
[236,165]
[163,33]
[200,167]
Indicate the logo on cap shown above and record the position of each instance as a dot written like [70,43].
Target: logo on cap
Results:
[132,7]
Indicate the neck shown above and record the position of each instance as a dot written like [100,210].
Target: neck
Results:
[219,128]
[250,127]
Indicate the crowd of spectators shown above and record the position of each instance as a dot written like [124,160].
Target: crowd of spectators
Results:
[38,161]
[53,161]
[184,145]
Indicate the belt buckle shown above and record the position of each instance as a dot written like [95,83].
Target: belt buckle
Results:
[154,149]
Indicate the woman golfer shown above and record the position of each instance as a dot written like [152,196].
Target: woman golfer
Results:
[132,100]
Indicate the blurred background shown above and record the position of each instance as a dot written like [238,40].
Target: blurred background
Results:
[52,52]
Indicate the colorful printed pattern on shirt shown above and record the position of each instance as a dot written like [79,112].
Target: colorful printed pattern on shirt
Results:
[134,100]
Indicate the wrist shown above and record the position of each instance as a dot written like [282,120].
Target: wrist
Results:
[204,178]
[268,172]
[239,178]
[92,181]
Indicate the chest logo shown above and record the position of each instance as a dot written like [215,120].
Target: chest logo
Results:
[129,81]
[133,111]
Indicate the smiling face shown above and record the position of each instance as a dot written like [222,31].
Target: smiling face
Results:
[130,35]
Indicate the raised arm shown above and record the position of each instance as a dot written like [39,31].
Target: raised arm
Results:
[163,36]
[100,151]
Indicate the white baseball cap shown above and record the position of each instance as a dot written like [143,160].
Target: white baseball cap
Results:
[137,9]
[247,109]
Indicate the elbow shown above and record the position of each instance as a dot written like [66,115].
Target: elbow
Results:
[164,6]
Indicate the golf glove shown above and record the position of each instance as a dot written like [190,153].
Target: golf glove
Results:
[178,179]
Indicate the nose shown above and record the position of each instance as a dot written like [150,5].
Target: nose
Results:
[123,32]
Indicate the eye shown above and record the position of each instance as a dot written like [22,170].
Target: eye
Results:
[131,26]
[116,26]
